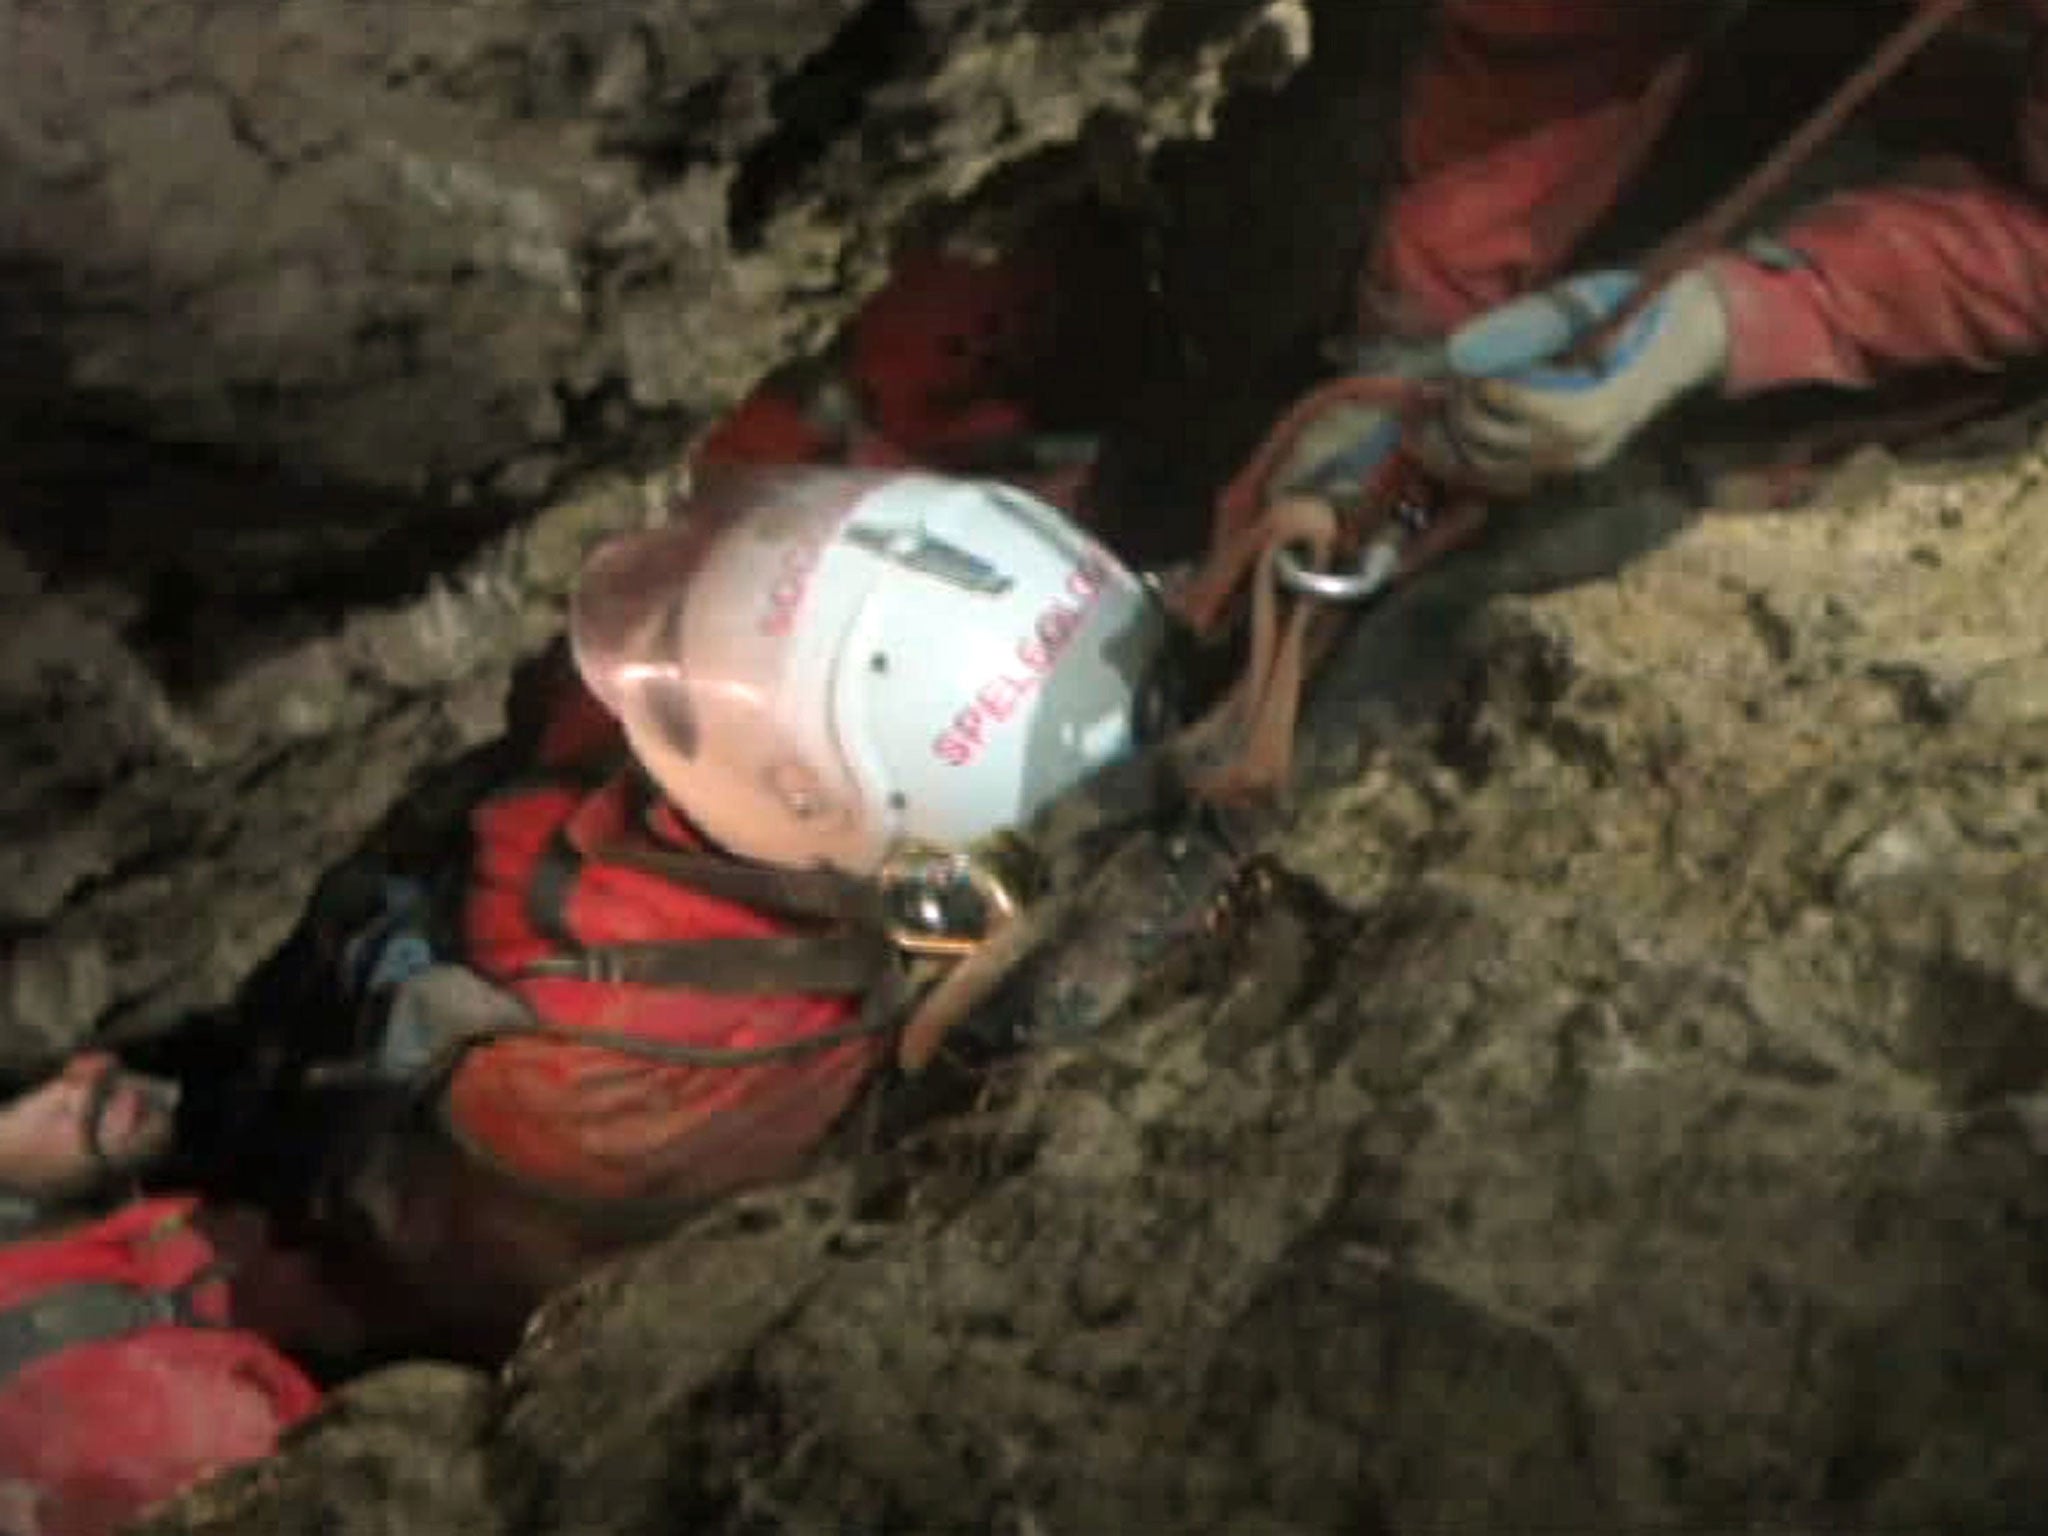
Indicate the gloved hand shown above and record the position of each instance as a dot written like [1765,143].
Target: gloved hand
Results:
[1511,422]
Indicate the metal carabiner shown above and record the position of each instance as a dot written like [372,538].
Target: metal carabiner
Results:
[1376,568]
[1378,563]
[923,890]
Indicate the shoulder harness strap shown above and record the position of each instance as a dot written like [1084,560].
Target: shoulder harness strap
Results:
[849,957]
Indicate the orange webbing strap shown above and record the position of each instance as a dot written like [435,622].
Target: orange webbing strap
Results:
[1245,746]
[972,981]
[1248,492]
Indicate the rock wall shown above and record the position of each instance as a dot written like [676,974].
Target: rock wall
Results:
[425,246]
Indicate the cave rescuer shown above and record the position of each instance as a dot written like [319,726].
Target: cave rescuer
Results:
[1523,123]
[1483,374]
[766,824]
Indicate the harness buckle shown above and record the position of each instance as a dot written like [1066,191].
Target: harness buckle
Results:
[945,903]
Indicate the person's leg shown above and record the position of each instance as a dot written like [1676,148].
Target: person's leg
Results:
[1524,121]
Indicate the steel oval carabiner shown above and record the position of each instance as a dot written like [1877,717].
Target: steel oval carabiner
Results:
[1377,565]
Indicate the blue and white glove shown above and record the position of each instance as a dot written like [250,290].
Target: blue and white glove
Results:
[1515,418]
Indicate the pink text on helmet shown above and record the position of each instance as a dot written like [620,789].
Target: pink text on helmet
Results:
[1038,654]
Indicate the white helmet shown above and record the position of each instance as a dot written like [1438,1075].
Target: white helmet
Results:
[820,665]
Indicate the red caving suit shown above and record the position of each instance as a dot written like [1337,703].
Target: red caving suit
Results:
[1526,119]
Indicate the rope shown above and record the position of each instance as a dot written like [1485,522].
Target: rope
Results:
[1726,218]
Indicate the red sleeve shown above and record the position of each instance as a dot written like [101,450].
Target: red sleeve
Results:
[1952,268]
[1522,123]
[1947,267]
